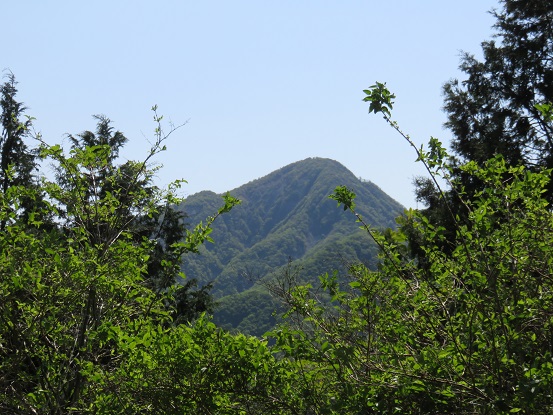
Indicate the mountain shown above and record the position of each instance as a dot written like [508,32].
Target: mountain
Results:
[284,216]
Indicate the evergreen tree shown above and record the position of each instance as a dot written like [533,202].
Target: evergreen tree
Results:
[17,162]
[164,226]
[493,111]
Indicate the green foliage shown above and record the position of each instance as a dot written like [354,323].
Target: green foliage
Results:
[118,197]
[493,110]
[344,196]
[546,111]
[197,369]
[61,296]
[250,312]
[500,107]
[380,99]
[469,332]
[76,307]
[497,109]
[17,161]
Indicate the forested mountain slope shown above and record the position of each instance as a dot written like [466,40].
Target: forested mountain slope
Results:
[284,216]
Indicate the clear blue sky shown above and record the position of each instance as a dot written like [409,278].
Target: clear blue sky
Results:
[262,84]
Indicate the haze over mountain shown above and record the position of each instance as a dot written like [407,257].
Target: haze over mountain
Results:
[284,216]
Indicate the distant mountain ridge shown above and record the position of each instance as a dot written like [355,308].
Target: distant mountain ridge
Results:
[284,215]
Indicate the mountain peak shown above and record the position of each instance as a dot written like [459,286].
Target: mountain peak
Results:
[284,215]
[311,165]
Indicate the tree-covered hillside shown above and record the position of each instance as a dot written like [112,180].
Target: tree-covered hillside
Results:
[284,216]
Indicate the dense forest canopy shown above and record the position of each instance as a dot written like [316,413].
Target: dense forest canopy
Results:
[456,318]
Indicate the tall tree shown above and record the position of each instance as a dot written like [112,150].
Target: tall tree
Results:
[17,162]
[164,225]
[493,110]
